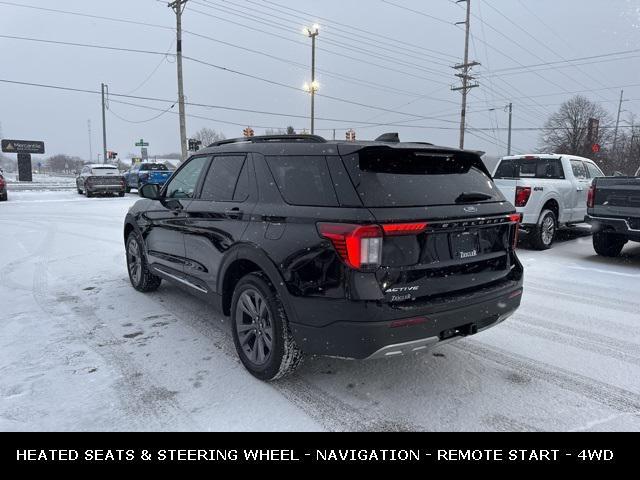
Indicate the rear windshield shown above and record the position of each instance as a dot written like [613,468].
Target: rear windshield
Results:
[530,168]
[104,169]
[153,166]
[406,178]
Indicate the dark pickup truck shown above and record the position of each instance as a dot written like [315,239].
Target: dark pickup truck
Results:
[613,210]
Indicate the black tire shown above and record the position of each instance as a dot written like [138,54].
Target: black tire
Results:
[4,196]
[127,188]
[79,192]
[544,234]
[121,194]
[608,244]
[284,356]
[87,192]
[141,277]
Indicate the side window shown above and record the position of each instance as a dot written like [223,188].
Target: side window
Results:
[594,171]
[184,183]
[303,180]
[227,180]
[579,170]
[550,169]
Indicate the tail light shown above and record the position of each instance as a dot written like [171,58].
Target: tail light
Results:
[359,246]
[517,219]
[522,196]
[591,197]
[398,229]
[1,182]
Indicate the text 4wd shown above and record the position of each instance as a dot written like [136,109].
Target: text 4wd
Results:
[354,250]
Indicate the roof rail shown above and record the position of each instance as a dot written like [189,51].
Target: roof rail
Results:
[272,139]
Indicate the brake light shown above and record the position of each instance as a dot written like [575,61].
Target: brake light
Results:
[398,229]
[1,182]
[522,196]
[591,197]
[359,246]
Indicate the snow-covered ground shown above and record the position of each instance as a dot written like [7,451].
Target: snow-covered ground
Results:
[81,350]
[41,182]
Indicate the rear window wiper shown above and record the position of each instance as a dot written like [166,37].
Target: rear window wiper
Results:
[467,197]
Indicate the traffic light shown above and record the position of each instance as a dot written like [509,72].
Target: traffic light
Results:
[248,132]
[351,135]
[194,145]
[112,155]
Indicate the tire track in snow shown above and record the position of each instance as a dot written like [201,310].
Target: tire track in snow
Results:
[601,348]
[330,412]
[584,299]
[603,393]
[149,406]
[597,343]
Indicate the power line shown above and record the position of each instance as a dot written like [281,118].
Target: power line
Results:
[219,67]
[203,105]
[337,32]
[324,49]
[334,22]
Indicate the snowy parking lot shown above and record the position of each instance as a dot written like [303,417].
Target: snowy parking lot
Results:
[82,350]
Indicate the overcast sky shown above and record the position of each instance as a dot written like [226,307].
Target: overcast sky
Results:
[394,64]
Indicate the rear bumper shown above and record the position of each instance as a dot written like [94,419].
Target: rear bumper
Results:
[618,225]
[403,330]
[105,188]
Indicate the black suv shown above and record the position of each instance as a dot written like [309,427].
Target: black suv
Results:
[345,249]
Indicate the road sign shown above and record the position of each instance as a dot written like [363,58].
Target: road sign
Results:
[22,146]
[142,143]
[144,153]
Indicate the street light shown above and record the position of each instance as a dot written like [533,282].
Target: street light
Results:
[312,32]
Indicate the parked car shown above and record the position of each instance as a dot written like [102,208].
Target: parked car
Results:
[614,213]
[142,174]
[550,191]
[100,179]
[3,188]
[356,250]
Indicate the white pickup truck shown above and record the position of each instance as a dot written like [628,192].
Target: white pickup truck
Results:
[550,191]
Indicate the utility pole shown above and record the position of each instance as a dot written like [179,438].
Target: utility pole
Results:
[90,146]
[178,7]
[312,88]
[615,135]
[510,124]
[465,75]
[104,127]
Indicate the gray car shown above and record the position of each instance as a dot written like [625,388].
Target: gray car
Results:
[100,179]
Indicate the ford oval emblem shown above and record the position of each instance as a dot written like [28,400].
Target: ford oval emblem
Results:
[471,209]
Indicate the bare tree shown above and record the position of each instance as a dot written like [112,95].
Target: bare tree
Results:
[64,163]
[208,136]
[567,130]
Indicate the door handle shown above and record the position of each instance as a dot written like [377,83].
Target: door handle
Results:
[234,213]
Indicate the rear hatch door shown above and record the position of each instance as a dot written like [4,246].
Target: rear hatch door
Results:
[459,228]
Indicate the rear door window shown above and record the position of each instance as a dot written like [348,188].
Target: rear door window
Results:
[405,178]
[530,168]
[579,170]
[227,180]
[303,180]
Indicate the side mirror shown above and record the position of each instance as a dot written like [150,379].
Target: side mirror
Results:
[150,191]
